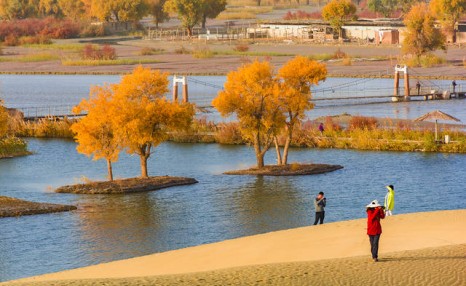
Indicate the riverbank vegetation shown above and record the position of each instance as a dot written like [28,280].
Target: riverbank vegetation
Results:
[10,146]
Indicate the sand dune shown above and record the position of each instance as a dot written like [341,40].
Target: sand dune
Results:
[416,249]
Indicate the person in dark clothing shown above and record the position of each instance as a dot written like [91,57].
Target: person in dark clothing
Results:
[321,128]
[418,87]
[375,212]
[453,83]
[319,203]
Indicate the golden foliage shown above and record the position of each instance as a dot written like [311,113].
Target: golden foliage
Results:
[251,93]
[448,12]
[95,132]
[421,36]
[132,115]
[3,121]
[143,116]
[337,12]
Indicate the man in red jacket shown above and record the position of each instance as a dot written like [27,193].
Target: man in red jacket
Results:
[375,212]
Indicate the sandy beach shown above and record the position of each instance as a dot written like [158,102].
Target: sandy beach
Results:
[415,249]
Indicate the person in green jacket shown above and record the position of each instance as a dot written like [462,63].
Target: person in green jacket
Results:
[389,200]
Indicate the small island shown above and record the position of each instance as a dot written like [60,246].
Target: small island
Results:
[11,207]
[131,185]
[293,169]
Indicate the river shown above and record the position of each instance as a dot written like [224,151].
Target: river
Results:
[31,91]
[219,207]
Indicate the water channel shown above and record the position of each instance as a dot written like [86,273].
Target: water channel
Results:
[219,207]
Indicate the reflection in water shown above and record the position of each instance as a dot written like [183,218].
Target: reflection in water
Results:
[121,225]
[274,198]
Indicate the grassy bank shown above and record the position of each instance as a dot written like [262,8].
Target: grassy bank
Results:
[358,132]
[13,147]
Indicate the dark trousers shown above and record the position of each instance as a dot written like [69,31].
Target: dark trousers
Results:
[319,217]
[374,239]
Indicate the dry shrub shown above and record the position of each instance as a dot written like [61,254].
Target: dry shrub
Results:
[11,40]
[92,31]
[339,54]
[39,39]
[229,133]
[347,61]
[146,51]
[182,51]
[203,53]
[302,15]
[329,125]
[426,61]
[91,52]
[361,122]
[241,48]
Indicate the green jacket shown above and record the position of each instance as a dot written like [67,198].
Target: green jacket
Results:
[390,199]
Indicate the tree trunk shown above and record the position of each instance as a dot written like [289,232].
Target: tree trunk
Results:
[259,153]
[109,170]
[285,151]
[143,160]
[144,154]
[260,160]
[204,20]
[190,31]
[277,148]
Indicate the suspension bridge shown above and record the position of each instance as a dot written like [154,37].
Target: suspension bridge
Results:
[354,92]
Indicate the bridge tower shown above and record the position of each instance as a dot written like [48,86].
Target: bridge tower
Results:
[183,81]
[396,93]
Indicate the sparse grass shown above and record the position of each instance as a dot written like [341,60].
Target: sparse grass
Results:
[182,51]
[250,9]
[60,47]
[235,15]
[70,62]
[40,57]
[241,48]
[253,54]
[146,51]
[322,57]
[203,53]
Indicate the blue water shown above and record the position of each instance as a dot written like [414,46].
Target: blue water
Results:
[219,207]
[31,91]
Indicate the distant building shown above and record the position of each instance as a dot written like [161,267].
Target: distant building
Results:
[379,31]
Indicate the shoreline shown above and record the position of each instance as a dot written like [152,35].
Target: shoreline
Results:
[311,244]
[329,75]
[12,207]
[126,186]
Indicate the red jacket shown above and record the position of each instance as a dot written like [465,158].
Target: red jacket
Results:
[373,220]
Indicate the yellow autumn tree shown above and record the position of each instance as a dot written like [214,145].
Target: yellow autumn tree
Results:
[337,12]
[421,35]
[143,116]
[251,94]
[296,78]
[448,12]
[94,132]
